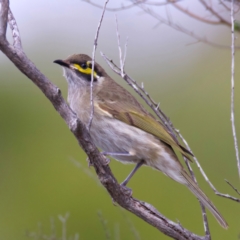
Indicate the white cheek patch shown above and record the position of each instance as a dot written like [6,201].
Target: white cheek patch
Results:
[64,72]
[73,67]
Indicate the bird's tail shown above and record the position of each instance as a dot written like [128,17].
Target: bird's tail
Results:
[193,187]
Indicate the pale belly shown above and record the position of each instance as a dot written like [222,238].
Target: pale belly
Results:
[114,136]
[117,137]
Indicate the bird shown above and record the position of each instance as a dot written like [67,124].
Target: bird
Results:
[123,128]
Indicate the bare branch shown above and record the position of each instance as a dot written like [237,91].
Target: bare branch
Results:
[177,27]
[143,5]
[215,13]
[120,50]
[232,89]
[160,3]
[93,63]
[203,209]
[193,15]
[125,51]
[224,5]
[235,189]
[4,5]
[110,9]
[204,174]
[123,7]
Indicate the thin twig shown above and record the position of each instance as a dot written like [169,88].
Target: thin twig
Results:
[167,2]
[143,5]
[215,13]
[203,209]
[195,16]
[178,27]
[93,62]
[125,51]
[123,7]
[232,90]
[224,5]
[204,174]
[235,189]
[110,9]
[120,49]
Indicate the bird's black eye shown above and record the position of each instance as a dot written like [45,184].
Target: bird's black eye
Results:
[84,65]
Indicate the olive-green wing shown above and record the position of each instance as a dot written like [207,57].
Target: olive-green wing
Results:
[129,111]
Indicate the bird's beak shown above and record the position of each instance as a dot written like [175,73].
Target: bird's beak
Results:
[62,63]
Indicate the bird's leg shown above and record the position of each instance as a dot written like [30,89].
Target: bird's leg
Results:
[114,154]
[125,182]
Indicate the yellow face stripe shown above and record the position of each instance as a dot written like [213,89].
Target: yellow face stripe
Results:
[87,70]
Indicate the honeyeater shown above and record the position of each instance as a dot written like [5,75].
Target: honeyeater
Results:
[121,126]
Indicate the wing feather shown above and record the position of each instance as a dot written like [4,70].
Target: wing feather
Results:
[124,107]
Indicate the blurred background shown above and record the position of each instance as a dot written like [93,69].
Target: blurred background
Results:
[43,171]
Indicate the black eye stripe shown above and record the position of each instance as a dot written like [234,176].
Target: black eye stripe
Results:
[84,65]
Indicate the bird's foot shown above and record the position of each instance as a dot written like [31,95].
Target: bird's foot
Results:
[126,189]
[106,160]
[89,162]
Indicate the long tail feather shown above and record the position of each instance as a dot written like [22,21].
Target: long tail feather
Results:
[193,187]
